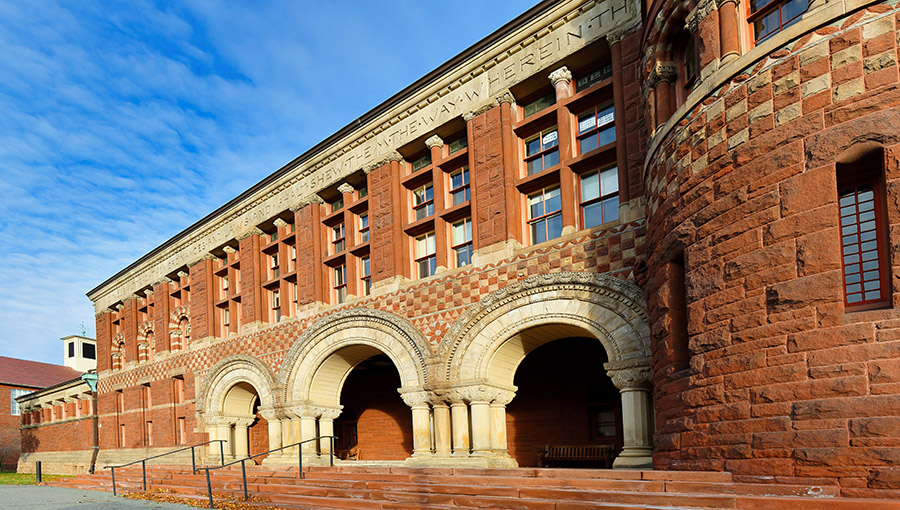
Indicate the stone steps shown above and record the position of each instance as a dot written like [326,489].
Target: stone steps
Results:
[401,488]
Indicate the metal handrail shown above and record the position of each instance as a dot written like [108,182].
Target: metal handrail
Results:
[112,469]
[245,459]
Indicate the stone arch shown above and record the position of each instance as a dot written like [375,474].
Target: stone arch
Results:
[489,340]
[179,328]
[230,372]
[321,358]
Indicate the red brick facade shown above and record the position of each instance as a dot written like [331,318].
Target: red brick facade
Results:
[718,285]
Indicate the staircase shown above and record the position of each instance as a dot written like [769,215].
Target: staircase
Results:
[396,488]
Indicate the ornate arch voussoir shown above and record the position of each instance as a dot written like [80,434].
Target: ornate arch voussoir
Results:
[622,297]
[224,372]
[397,326]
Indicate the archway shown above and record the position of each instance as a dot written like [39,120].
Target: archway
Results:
[321,360]
[484,347]
[235,402]
[561,399]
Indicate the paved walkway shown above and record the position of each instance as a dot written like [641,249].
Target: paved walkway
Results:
[33,497]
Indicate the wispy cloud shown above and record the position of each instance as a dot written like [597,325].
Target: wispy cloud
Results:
[116,119]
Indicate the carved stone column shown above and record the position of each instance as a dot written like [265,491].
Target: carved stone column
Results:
[308,416]
[498,421]
[274,424]
[459,413]
[665,75]
[442,427]
[480,406]
[421,422]
[242,437]
[729,33]
[634,385]
[326,428]
[223,432]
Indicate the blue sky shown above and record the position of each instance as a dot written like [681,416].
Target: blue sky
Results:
[115,116]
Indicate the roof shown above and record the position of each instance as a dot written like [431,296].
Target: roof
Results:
[33,374]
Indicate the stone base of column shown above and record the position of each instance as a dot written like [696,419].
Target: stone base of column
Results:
[634,459]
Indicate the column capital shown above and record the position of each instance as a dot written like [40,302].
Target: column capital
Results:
[506,97]
[251,232]
[416,399]
[561,74]
[280,223]
[229,249]
[394,156]
[330,413]
[269,414]
[483,393]
[434,141]
[633,378]
[311,199]
[346,188]
[180,274]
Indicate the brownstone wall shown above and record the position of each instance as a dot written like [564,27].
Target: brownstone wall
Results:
[783,382]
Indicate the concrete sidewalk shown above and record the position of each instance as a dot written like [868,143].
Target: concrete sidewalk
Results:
[34,497]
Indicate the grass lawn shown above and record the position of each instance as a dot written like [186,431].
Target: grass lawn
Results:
[13,478]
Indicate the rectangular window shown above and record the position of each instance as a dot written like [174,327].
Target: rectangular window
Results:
[423,201]
[593,77]
[337,238]
[226,321]
[362,192]
[544,216]
[540,104]
[458,145]
[426,260]
[864,281]
[274,269]
[71,346]
[273,236]
[421,163]
[276,305]
[459,186]
[772,16]
[15,405]
[223,287]
[542,151]
[295,294]
[462,242]
[339,283]
[88,351]
[596,128]
[337,204]
[293,258]
[365,269]
[599,197]
[363,227]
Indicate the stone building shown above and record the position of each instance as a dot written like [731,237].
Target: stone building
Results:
[664,227]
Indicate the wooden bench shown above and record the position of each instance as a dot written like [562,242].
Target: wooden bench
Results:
[564,454]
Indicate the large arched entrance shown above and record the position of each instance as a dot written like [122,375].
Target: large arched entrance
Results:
[485,347]
[363,363]
[232,401]
[562,399]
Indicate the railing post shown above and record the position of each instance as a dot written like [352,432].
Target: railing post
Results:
[193,462]
[331,452]
[222,451]
[112,470]
[209,489]
[300,463]
[37,472]
[244,476]
[144,473]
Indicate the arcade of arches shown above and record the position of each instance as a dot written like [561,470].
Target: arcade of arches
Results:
[557,359]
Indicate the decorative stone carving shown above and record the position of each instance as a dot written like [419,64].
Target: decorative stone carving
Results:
[252,232]
[666,71]
[330,413]
[311,199]
[485,393]
[434,141]
[394,156]
[416,398]
[506,97]
[346,188]
[700,12]
[632,378]
[231,370]
[561,74]
[474,113]
[182,274]
[148,292]
[229,249]
[280,223]
[119,307]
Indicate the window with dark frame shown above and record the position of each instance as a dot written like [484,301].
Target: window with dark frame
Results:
[769,17]
[338,237]
[542,151]
[544,214]
[862,205]
[365,270]
[459,186]
[596,128]
[423,201]
[339,283]
[363,227]
[599,191]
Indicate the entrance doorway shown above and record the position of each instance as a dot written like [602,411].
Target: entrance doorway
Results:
[247,432]
[375,423]
[564,398]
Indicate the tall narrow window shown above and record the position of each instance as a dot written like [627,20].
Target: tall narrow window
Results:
[339,283]
[426,260]
[544,217]
[599,197]
[421,163]
[337,238]
[864,234]
[179,390]
[462,242]
[459,186]
[274,269]
[276,305]
[363,227]
[542,151]
[596,128]
[423,201]
[365,270]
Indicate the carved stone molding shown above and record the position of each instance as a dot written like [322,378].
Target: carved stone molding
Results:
[485,393]
[639,378]
[233,369]
[700,12]
[182,274]
[434,141]
[229,249]
[394,156]
[148,292]
[416,398]
[506,97]
[346,188]
[330,413]
[311,199]
[252,232]
[561,74]
[280,223]
[474,113]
